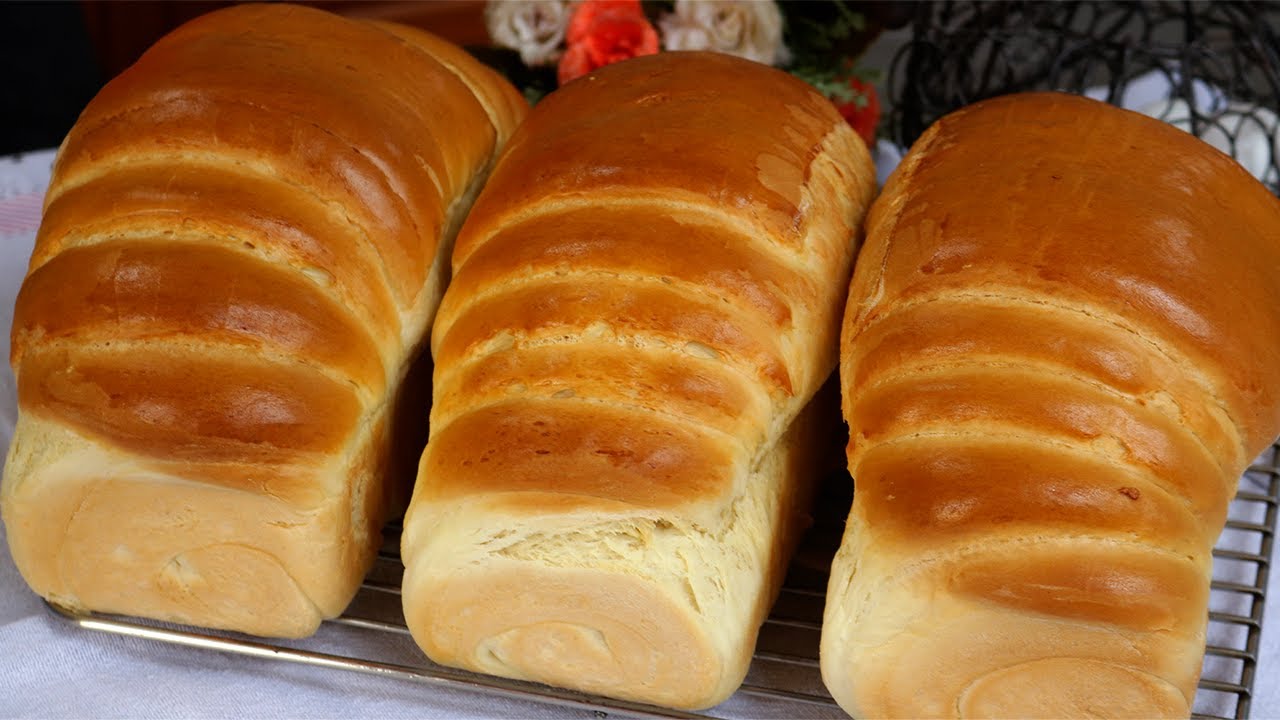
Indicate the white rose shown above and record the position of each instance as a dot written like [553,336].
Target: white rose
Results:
[534,28]
[747,28]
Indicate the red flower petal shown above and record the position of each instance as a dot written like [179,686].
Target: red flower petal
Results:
[865,119]
[603,32]
[575,63]
[586,14]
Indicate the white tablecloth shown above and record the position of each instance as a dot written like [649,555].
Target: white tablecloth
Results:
[50,669]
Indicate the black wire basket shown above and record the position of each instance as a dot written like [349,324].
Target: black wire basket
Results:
[1216,65]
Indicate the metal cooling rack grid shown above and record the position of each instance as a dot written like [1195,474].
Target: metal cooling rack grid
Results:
[784,679]
[1241,568]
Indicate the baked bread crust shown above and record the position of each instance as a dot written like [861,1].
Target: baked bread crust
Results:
[243,245]
[1059,355]
[645,297]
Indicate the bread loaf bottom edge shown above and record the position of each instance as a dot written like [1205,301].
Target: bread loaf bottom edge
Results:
[93,528]
[889,624]
[615,601]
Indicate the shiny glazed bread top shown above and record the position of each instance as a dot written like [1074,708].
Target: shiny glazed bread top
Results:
[236,256]
[1060,353]
[648,289]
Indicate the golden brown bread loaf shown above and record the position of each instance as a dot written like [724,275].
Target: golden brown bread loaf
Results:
[244,243]
[645,296]
[1061,350]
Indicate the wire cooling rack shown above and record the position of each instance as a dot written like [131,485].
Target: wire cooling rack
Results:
[784,680]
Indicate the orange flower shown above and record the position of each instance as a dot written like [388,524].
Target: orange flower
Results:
[602,32]
[862,113]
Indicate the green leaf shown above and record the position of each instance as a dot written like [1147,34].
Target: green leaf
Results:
[868,75]
[533,94]
[830,82]
[815,34]
[854,20]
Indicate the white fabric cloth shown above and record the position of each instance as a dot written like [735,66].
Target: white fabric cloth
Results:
[49,668]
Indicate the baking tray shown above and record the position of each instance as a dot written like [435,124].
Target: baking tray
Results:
[784,680]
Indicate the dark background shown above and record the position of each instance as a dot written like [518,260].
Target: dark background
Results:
[58,54]
[50,73]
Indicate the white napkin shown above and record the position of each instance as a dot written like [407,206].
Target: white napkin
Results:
[51,669]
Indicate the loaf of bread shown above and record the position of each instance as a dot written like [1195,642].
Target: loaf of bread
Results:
[1061,350]
[646,295]
[243,246]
